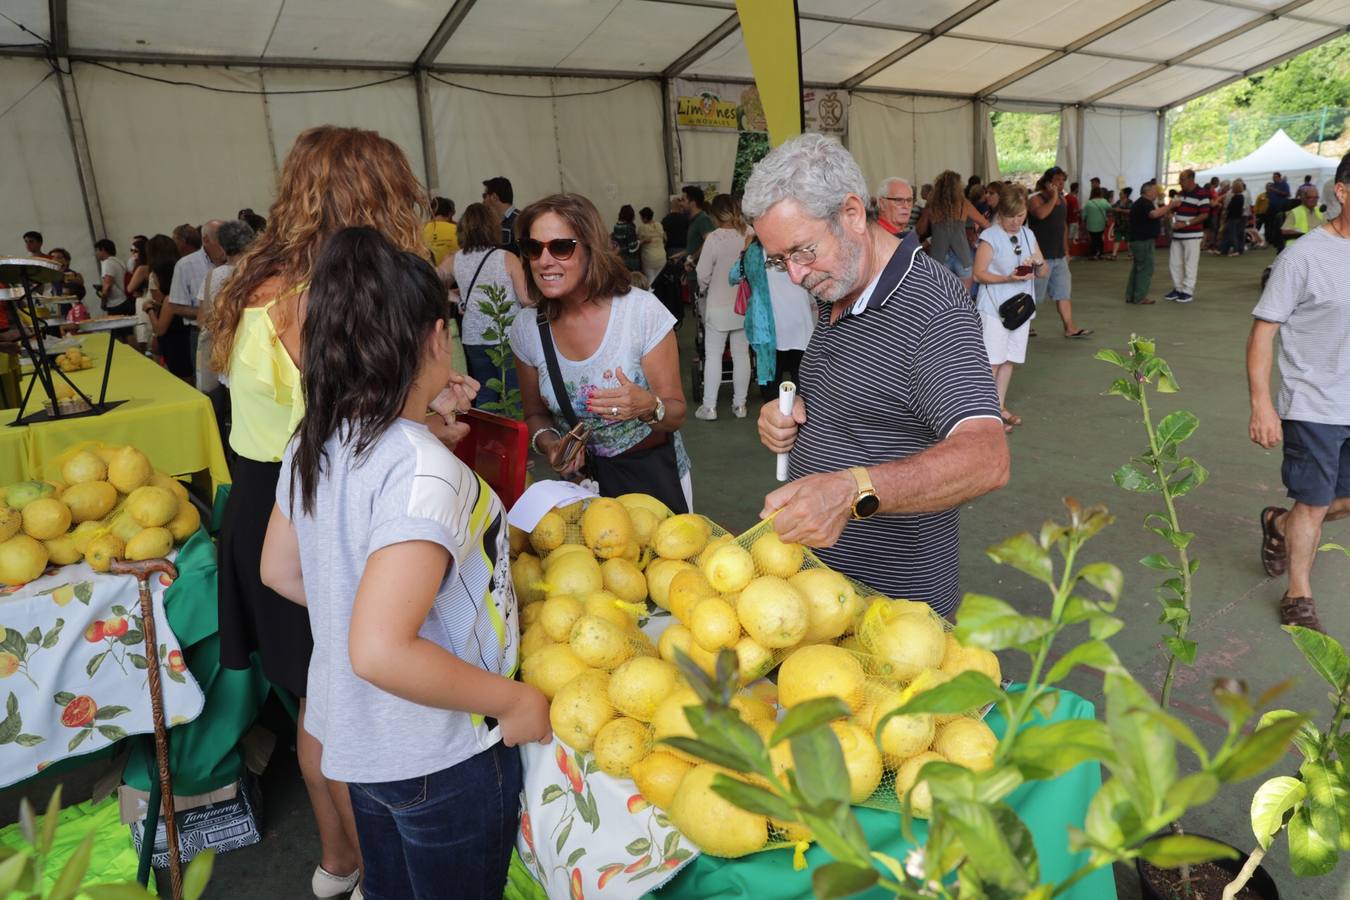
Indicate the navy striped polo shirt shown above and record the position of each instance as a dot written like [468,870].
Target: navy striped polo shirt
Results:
[892,377]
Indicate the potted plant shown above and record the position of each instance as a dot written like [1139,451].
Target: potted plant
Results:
[501,313]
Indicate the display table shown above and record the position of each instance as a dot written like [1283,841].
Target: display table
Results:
[167,419]
[73,668]
[1047,807]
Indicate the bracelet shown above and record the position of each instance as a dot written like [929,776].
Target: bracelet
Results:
[534,438]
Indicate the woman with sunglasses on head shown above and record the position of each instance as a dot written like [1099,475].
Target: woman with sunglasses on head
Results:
[599,355]
[1006,263]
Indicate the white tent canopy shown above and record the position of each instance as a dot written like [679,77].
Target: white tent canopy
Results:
[130,117]
[1279,154]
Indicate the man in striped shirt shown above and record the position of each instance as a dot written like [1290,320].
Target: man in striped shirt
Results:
[896,421]
[1188,232]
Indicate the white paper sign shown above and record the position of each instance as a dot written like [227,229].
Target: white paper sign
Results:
[542,496]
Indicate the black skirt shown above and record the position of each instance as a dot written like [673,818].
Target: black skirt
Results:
[254,618]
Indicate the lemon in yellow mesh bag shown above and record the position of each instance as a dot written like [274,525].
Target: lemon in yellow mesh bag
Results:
[559,614]
[753,660]
[637,686]
[966,742]
[548,533]
[773,612]
[549,668]
[658,776]
[534,637]
[624,579]
[714,824]
[619,744]
[598,642]
[831,603]
[576,573]
[729,568]
[580,709]
[909,637]
[606,605]
[921,801]
[606,527]
[686,589]
[820,670]
[559,553]
[668,720]
[682,536]
[526,574]
[660,573]
[903,735]
[714,625]
[958,659]
[675,637]
[774,557]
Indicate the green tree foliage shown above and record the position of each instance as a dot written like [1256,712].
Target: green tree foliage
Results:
[1026,142]
[1236,119]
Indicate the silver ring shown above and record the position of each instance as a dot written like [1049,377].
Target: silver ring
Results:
[613,411]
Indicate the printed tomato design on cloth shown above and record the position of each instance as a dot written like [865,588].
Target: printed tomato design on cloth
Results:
[9,664]
[95,633]
[637,803]
[568,767]
[79,712]
[116,627]
[165,579]
[526,830]
[576,885]
[638,863]
[608,872]
[176,663]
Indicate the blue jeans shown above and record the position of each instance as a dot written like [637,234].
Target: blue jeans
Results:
[447,834]
[481,368]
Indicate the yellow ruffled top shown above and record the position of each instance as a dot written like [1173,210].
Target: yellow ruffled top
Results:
[265,397]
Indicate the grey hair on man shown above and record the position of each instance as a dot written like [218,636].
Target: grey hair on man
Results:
[811,169]
[885,187]
[233,236]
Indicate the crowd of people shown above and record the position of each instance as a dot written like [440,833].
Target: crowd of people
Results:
[367,568]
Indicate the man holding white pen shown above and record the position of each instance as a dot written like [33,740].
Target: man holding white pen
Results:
[896,420]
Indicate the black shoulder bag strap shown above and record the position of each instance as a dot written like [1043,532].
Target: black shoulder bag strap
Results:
[467,295]
[554,370]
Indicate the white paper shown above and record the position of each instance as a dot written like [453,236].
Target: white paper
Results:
[542,496]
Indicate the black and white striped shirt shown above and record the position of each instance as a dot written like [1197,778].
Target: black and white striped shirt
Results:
[892,377]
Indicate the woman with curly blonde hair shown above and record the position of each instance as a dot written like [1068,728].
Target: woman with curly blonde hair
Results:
[944,222]
[333,178]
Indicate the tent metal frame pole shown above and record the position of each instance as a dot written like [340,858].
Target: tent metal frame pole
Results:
[963,14]
[668,134]
[428,132]
[1160,159]
[446,30]
[1079,164]
[79,144]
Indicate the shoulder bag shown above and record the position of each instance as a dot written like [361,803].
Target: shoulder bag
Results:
[465,295]
[1015,311]
[649,467]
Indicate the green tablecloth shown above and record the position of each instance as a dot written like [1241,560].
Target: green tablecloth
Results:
[113,861]
[1046,806]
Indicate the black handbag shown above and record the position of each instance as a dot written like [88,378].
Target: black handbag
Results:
[1015,311]
[648,468]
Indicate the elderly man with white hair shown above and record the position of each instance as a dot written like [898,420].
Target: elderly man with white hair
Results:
[896,421]
[895,203]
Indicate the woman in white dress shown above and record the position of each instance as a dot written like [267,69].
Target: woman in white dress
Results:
[1007,261]
[721,249]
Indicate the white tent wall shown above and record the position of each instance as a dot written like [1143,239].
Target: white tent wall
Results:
[706,156]
[604,145]
[390,109]
[1120,147]
[39,178]
[913,137]
[168,154]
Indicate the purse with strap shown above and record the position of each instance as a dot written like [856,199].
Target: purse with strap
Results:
[464,297]
[1015,311]
[649,467]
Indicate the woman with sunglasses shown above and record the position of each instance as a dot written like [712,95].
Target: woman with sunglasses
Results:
[1006,262]
[599,355]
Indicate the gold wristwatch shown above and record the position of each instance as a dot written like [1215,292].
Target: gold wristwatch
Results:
[865,502]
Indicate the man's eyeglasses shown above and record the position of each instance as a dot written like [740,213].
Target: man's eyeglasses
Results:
[558,248]
[903,201]
[802,256]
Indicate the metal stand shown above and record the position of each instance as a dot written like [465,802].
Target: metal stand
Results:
[26,273]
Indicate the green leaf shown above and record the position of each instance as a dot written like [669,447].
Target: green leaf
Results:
[119,610]
[990,623]
[818,763]
[576,856]
[1327,798]
[1258,751]
[706,752]
[1182,649]
[562,837]
[998,861]
[723,728]
[29,740]
[1184,850]
[176,676]
[111,732]
[1131,479]
[967,691]
[551,793]
[110,712]
[1179,730]
[49,821]
[808,715]
[1024,554]
[752,798]
[841,879]
[1306,739]
[1195,476]
[1114,357]
[1324,653]
[63,698]
[1125,387]
[198,874]
[1105,577]
[1097,654]
[1159,562]
[1043,752]
[79,738]
[1310,852]
[68,883]
[138,660]
[638,847]
[1147,764]
[34,636]
[92,666]
[1271,802]
[53,636]
[84,592]
[1190,792]
[132,639]
[1176,427]
[13,871]
[12,724]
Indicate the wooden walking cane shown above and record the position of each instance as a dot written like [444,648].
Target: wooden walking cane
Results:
[143,569]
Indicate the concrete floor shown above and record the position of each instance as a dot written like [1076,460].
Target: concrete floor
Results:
[1074,437]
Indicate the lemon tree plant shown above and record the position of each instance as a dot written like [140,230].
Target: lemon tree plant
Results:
[976,844]
[500,313]
[23,871]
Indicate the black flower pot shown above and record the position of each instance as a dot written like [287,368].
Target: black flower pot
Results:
[1260,883]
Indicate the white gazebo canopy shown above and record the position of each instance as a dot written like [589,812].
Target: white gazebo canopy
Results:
[1279,154]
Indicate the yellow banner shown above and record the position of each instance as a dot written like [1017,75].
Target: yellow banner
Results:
[769,29]
[706,110]
[737,107]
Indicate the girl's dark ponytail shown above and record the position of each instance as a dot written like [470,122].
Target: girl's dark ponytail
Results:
[369,311]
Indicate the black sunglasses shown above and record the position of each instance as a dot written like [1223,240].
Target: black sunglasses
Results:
[558,248]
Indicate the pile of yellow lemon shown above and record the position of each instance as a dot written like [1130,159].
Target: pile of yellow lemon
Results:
[110,503]
[584,577]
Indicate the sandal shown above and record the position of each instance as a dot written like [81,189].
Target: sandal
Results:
[1274,551]
[1080,333]
[1300,611]
[1010,418]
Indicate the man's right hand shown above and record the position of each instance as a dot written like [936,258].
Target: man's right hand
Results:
[1266,428]
[777,431]
[527,721]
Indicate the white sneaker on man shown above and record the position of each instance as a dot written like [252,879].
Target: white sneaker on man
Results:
[738,411]
[705,413]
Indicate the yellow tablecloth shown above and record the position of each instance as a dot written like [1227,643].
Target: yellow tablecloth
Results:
[169,421]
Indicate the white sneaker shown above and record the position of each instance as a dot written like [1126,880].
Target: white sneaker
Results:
[738,411]
[705,413]
[325,884]
[357,894]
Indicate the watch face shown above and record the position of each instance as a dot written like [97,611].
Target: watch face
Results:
[866,505]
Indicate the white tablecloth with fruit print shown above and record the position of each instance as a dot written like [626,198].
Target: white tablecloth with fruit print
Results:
[73,671]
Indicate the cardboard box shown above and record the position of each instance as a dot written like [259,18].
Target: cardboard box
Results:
[222,825]
[134,804]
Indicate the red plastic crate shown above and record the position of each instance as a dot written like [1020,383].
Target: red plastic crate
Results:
[497,448]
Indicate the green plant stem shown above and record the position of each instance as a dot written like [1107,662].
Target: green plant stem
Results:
[1155,460]
[1334,729]
[1244,875]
